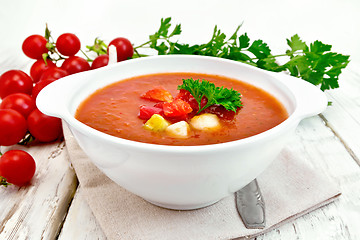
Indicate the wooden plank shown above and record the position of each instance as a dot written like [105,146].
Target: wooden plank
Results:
[37,211]
[80,222]
[344,114]
[323,151]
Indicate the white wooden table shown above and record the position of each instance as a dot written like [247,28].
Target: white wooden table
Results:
[53,207]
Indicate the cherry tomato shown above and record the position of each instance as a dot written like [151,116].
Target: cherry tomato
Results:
[124,48]
[100,61]
[39,67]
[34,46]
[40,85]
[17,166]
[15,81]
[13,127]
[20,102]
[53,73]
[43,127]
[68,44]
[75,64]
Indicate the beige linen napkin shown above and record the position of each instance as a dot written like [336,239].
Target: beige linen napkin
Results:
[290,189]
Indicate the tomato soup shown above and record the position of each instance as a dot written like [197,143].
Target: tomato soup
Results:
[114,110]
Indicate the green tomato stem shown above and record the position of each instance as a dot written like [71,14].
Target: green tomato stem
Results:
[3,182]
[87,57]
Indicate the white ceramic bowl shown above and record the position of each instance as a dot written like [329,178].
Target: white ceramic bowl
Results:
[181,177]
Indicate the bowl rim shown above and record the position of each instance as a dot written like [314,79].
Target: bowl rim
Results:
[290,121]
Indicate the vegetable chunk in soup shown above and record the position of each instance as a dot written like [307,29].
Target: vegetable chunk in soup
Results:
[161,109]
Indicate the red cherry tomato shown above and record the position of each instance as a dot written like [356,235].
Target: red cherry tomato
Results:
[53,73]
[75,64]
[43,127]
[13,127]
[68,44]
[17,166]
[124,48]
[20,102]
[40,85]
[100,61]
[34,46]
[39,67]
[15,81]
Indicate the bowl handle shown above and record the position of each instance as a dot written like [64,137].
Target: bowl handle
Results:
[51,100]
[310,100]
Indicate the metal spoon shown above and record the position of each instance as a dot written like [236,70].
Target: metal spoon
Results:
[250,205]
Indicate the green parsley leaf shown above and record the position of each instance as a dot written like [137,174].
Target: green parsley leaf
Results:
[176,31]
[244,41]
[319,48]
[260,49]
[228,98]
[314,63]
[295,44]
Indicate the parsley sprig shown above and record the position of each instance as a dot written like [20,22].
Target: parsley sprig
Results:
[314,63]
[228,98]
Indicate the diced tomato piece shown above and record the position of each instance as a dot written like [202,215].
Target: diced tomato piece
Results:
[184,117]
[146,112]
[221,112]
[177,108]
[187,97]
[159,105]
[158,94]
[173,119]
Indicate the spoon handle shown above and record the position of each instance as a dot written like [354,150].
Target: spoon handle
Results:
[250,205]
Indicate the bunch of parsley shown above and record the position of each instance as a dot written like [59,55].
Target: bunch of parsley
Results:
[314,63]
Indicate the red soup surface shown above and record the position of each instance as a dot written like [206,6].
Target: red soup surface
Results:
[114,110]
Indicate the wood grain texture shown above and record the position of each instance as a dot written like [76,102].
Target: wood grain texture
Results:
[344,114]
[80,222]
[323,151]
[45,202]
[334,150]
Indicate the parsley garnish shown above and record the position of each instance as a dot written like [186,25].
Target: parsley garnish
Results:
[314,63]
[228,98]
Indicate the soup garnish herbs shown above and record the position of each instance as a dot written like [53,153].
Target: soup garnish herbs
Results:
[190,109]
[228,98]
